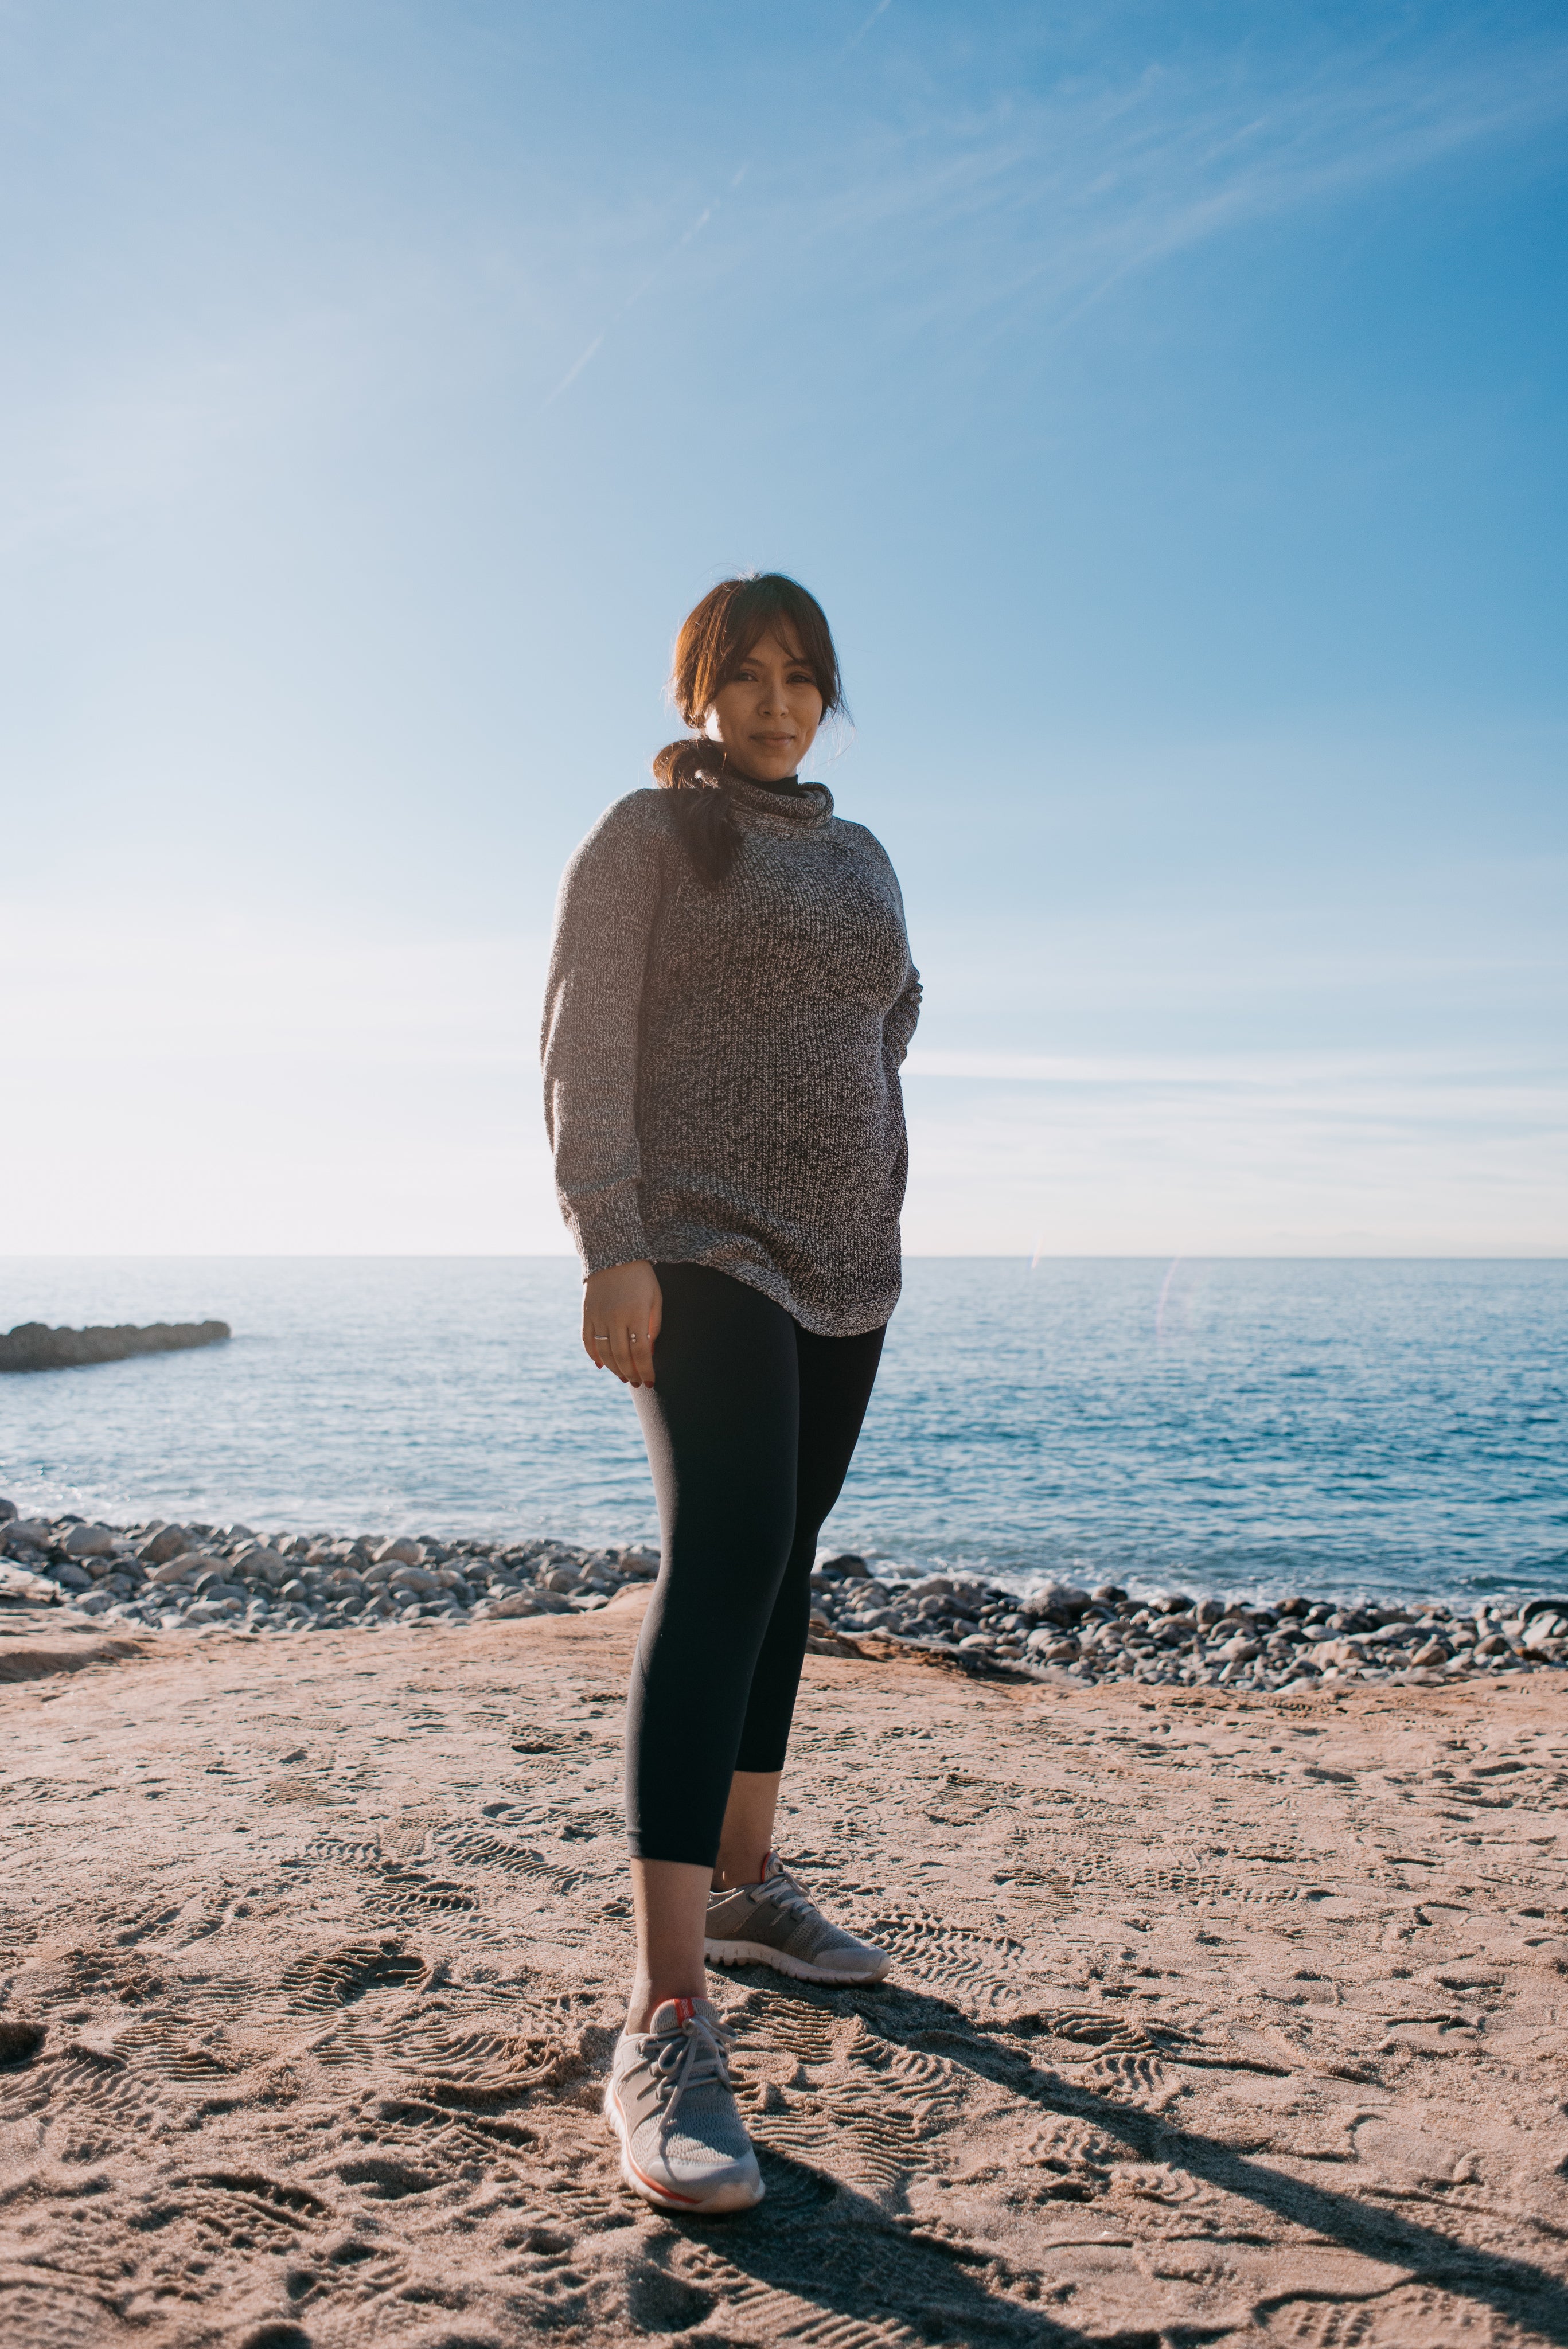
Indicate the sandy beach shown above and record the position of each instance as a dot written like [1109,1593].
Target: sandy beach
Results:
[1214,2016]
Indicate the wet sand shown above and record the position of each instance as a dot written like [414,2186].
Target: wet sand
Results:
[1214,2018]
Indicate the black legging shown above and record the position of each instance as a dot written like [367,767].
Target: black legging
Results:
[750,1428]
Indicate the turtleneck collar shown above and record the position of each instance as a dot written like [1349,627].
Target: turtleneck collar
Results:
[787,787]
[785,807]
[778,807]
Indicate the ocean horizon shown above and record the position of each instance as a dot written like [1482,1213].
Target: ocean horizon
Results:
[1390,1427]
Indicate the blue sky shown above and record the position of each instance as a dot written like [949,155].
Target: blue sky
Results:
[1166,402]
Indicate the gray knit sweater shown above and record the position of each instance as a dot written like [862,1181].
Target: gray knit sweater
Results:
[721,1064]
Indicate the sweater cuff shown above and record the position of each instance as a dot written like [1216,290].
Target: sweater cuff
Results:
[607,1227]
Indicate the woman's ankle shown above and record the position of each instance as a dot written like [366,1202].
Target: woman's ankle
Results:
[730,1875]
[644,2002]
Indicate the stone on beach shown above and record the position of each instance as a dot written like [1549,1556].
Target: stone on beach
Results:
[167,1542]
[1055,1598]
[400,1552]
[88,1541]
[182,1568]
[416,1578]
[848,1567]
[259,1559]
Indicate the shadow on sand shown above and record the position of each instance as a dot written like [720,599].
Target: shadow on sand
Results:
[874,2266]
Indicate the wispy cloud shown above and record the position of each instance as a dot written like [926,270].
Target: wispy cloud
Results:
[1378,1155]
[1025,196]
[1443,1080]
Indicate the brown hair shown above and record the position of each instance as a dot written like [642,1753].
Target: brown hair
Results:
[714,640]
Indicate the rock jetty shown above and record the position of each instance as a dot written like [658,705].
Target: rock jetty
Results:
[159,1576]
[32,1346]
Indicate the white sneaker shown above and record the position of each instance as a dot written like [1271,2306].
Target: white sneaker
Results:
[683,2146]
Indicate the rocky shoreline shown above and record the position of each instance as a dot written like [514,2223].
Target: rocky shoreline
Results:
[166,1576]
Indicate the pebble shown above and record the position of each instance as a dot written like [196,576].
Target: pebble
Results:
[402,1552]
[413,1578]
[88,1541]
[161,1544]
[185,1568]
[277,1584]
[261,1559]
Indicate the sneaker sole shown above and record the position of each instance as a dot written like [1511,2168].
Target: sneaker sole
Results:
[740,2194]
[758,1953]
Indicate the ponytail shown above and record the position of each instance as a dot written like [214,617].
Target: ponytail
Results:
[694,770]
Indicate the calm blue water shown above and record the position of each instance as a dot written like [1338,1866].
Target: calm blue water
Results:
[1345,1427]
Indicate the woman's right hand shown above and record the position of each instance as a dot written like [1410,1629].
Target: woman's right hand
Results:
[622,1309]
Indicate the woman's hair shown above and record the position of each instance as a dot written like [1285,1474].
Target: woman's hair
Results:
[715,640]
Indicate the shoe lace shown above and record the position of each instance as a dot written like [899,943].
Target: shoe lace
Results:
[782,1890]
[698,2059]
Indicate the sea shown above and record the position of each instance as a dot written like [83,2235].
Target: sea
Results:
[1252,1428]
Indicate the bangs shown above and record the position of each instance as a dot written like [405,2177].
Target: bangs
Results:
[773,605]
[776,625]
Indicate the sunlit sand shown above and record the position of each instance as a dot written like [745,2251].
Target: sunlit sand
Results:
[1211,2018]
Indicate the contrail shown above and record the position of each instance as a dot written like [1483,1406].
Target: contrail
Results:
[575,370]
[855,39]
[701,221]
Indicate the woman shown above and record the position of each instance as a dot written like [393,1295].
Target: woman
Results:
[730,999]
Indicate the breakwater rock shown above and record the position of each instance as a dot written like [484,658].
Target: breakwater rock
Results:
[165,1577]
[33,1347]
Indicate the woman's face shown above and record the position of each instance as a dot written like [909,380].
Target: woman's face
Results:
[767,715]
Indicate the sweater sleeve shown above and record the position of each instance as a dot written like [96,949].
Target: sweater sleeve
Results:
[900,1020]
[900,1023]
[593,1004]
